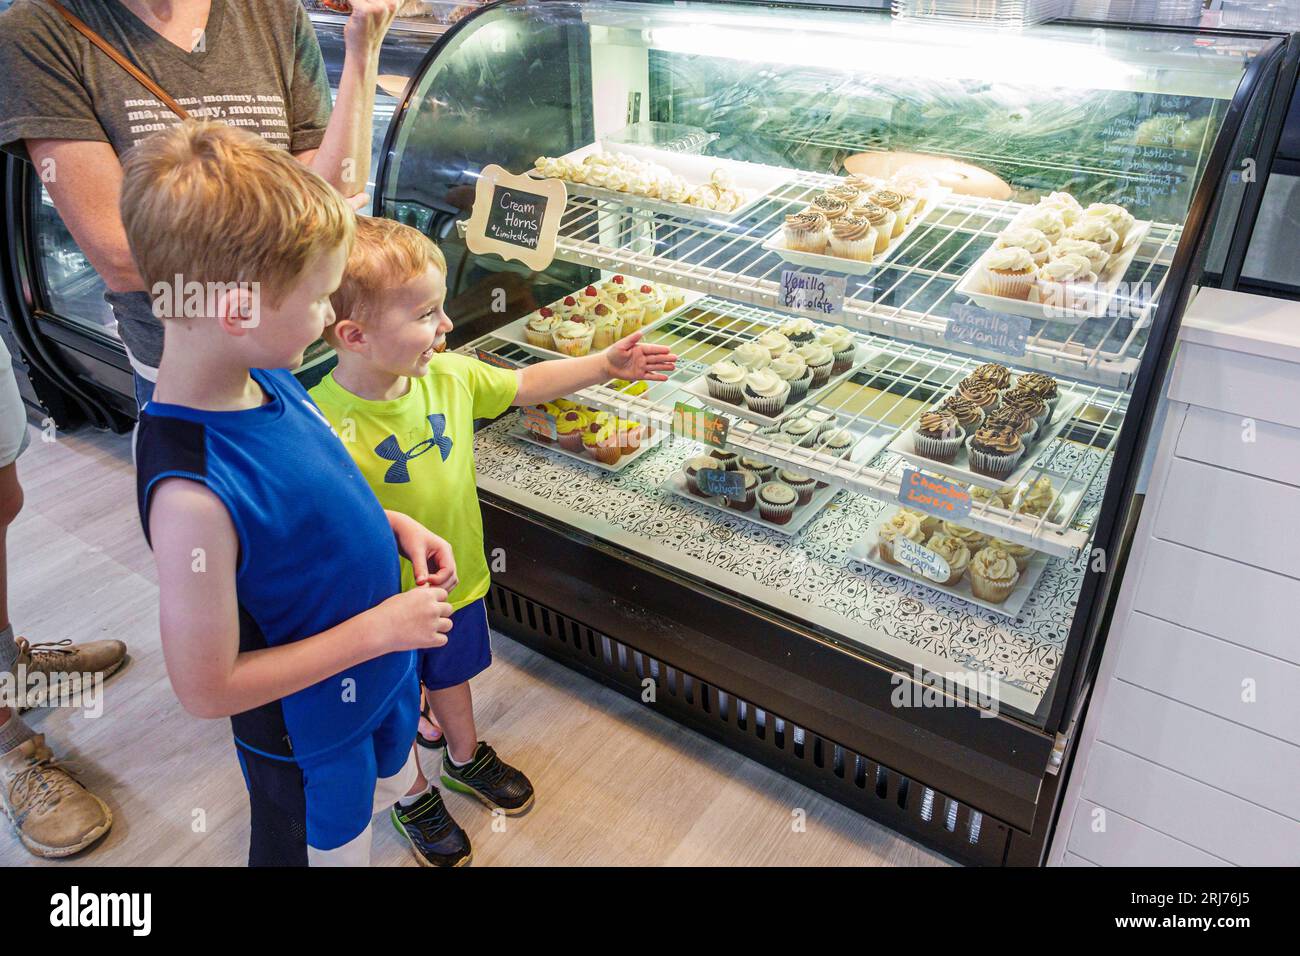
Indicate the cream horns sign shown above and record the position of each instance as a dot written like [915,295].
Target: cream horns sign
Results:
[516,217]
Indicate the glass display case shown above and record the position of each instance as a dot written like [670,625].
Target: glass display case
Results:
[805,644]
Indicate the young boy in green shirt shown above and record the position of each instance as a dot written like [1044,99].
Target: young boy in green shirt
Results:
[406,415]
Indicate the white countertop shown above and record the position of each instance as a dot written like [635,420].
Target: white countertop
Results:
[1239,322]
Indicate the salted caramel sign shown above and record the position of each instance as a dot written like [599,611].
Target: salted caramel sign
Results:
[516,217]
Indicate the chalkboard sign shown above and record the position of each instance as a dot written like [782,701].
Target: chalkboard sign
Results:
[715,481]
[516,217]
[984,329]
[812,293]
[696,424]
[935,496]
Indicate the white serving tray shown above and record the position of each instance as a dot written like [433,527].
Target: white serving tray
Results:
[523,434]
[754,180]
[865,550]
[1066,406]
[972,286]
[776,243]
[515,331]
[1069,493]
[871,438]
[699,388]
[676,483]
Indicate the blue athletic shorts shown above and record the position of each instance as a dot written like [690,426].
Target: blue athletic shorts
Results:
[468,650]
[326,802]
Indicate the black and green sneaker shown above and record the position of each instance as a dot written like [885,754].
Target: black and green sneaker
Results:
[491,779]
[435,837]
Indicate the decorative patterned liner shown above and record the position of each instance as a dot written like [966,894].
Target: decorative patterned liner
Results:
[814,568]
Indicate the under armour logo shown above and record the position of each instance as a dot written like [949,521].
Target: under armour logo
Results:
[390,450]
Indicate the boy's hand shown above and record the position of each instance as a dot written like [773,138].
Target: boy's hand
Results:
[431,557]
[413,620]
[631,359]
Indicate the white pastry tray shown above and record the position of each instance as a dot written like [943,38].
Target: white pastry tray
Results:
[776,243]
[1069,495]
[1068,403]
[657,435]
[699,388]
[972,286]
[870,438]
[754,180]
[866,550]
[676,483]
[515,331]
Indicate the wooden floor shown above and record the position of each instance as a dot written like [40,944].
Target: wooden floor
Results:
[617,784]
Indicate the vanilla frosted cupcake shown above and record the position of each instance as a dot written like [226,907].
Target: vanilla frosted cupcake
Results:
[993,575]
[1094,253]
[766,392]
[1065,205]
[1116,216]
[791,367]
[1010,272]
[967,536]
[1031,240]
[540,327]
[1045,220]
[752,356]
[774,342]
[903,524]
[853,238]
[843,348]
[1096,230]
[607,325]
[574,338]
[807,231]
[1067,282]
[725,381]
[954,551]
[881,220]
[819,359]
[631,311]
[799,331]
[1019,553]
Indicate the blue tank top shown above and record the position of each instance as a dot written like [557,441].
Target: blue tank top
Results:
[315,548]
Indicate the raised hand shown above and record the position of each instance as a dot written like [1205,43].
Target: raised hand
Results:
[631,359]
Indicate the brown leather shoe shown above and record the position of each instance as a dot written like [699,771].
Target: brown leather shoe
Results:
[53,814]
[64,657]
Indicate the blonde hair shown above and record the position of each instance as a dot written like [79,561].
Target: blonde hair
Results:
[216,204]
[384,255]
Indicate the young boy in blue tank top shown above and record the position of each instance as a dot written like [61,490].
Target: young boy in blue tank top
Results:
[278,570]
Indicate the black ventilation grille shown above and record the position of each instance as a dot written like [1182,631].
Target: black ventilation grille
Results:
[851,778]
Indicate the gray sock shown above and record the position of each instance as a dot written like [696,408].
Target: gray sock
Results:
[13,732]
[8,650]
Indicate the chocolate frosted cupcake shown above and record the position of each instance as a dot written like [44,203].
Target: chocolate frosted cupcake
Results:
[969,415]
[806,231]
[1026,401]
[938,435]
[1023,423]
[1044,386]
[994,450]
[999,376]
[832,207]
[979,393]
[881,219]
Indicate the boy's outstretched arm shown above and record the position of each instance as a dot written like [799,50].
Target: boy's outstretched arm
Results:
[197,551]
[628,358]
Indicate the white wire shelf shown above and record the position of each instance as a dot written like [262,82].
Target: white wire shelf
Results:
[908,297]
[889,391]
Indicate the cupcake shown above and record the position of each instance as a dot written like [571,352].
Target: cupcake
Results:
[1022,422]
[1031,240]
[832,207]
[969,415]
[574,338]
[835,442]
[1067,283]
[800,431]
[807,231]
[803,485]
[902,524]
[630,435]
[1064,205]
[774,342]
[938,435]
[776,502]
[1041,499]
[569,426]
[891,200]
[588,298]
[761,469]
[1019,553]
[1045,220]
[607,323]
[791,367]
[568,309]
[752,356]
[1117,217]
[820,361]
[799,331]
[726,381]
[952,550]
[631,312]
[540,326]
[881,220]
[848,192]
[993,575]
[843,346]
[1044,386]
[994,450]
[1095,254]
[1010,272]
[1096,230]
[600,440]
[748,495]
[910,194]
[994,496]
[651,301]
[1024,400]
[729,460]
[979,393]
[999,376]
[766,392]
[692,467]
[967,536]
[930,524]
[853,238]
